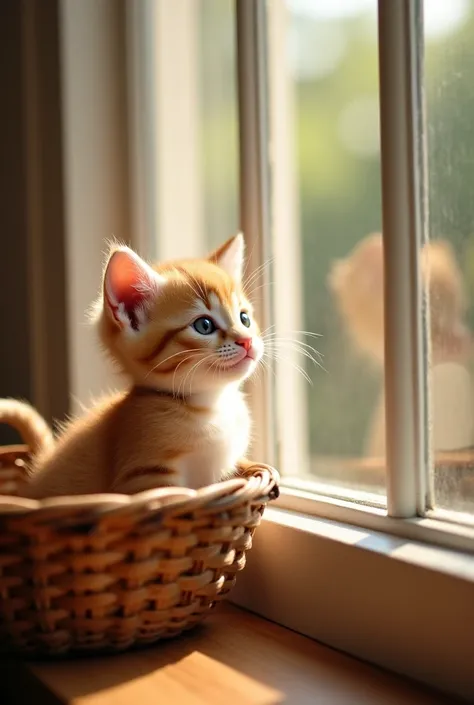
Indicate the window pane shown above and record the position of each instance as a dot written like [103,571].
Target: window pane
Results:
[218,119]
[327,217]
[448,258]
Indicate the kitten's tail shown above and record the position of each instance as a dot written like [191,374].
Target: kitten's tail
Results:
[32,427]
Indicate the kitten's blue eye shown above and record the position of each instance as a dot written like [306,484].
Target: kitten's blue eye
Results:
[245,318]
[204,325]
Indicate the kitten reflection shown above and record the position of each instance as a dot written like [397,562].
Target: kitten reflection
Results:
[357,284]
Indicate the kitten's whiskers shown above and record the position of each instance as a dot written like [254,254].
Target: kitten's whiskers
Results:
[259,271]
[181,352]
[186,359]
[192,372]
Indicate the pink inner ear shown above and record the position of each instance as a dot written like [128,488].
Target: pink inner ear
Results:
[127,283]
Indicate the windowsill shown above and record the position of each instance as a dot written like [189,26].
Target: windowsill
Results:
[366,511]
[398,603]
[235,657]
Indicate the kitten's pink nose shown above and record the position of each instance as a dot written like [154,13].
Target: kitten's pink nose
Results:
[246,343]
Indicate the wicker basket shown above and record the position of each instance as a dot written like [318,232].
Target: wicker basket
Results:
[108,572]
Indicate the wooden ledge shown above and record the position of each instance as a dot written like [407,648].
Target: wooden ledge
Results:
[235,658]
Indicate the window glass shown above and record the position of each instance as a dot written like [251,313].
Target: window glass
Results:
[329,59]
[218,119]
[448,257]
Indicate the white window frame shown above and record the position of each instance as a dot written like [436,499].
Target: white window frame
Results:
[388,586]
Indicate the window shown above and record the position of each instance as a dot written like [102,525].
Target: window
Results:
[328,224]
[326,54]
[265,115]
[324,69]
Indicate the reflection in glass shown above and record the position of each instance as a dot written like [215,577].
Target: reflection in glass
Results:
[358,285]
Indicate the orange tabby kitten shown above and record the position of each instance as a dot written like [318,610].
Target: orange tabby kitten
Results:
[184,334]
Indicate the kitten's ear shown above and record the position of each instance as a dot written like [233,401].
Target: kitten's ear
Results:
[230,256]
[130,286]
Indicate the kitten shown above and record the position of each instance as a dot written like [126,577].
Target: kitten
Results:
[357,284]
[184,335]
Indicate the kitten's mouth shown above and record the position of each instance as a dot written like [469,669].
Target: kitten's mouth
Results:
[242,363]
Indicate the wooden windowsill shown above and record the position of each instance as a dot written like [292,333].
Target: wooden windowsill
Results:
[234,658]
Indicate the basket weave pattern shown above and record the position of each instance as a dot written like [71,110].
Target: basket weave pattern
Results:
[108,572]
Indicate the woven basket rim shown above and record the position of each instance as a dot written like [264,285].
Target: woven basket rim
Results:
[257,486]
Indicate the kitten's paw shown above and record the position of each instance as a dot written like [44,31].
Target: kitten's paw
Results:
[248,468]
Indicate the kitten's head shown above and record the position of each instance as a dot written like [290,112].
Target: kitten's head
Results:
[186,326]
[357,283]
